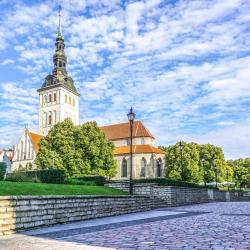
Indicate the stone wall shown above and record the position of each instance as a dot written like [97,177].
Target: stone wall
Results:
[23,212]
[174,196]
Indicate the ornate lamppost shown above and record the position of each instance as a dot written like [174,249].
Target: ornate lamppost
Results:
[216,175]
[181,151]
[131,118]
[227,171]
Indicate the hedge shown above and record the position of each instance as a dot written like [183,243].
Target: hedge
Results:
[56,176]
[168,182]
[73,181]
[3,168]
[98,180]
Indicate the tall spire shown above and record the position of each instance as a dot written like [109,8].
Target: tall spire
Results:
[59,32]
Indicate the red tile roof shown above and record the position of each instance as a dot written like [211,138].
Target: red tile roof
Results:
[35,138]
[122,131]
[138,149]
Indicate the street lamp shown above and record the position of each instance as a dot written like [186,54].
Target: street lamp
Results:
[131,118]
[181,150]
[204,178]
[216,176]
[227,171]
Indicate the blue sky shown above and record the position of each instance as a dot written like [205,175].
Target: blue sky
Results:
[183,65]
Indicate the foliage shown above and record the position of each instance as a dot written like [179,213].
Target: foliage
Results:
[44,176]
[241,171]
[73,181]
[3,168]
[27,188]
[78,150]
[194,169]
[98,180]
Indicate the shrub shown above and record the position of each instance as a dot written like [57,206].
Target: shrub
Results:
[3,168]
[73,181]
[98,180]
[56,176]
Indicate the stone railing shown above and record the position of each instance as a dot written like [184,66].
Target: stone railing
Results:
[23,212]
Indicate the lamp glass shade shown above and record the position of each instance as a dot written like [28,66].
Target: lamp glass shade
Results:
[131,115]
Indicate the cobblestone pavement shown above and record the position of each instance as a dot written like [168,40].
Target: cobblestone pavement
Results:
[215,226]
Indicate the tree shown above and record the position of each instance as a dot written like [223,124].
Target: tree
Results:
[78,150]
[194,170]
[214,162]
[191,170]
[3,168]
[241,171]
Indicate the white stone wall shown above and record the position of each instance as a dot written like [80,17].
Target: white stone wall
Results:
[24,153]
[151,165]
[66,105]
[136,141]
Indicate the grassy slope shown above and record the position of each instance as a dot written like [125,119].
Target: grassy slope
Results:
[27,188]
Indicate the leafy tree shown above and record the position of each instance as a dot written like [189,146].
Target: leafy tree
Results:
[3,168]
[190,162]
[214,163]
[194,169]
[78,150]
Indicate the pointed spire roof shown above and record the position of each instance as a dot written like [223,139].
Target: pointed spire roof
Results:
[59,77]
[59,31]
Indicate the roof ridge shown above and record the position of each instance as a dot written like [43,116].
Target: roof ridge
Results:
[122,123]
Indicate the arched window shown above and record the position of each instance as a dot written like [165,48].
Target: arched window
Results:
[69,100]
[158,167]
[65,98]
[74,103]
[124,168]
[45,99]
[54,117]
[50,98]
[54,97]
[22,153]
[60,64]
[44,119]
[143,167]
[50,118]
[142,141]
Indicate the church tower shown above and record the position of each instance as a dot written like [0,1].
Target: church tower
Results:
[58,97]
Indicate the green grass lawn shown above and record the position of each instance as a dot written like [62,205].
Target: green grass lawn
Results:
[28,188]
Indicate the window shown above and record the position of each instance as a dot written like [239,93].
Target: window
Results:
[143,167]
[44,119]
[54,118]
[50,119]
[142,141]
[158,167]
[21,150]
[69,100]
[45,99]
[128,142]
[54,97]
[65,98]
[74,103]
[124,168]
[60,64]
[50,98]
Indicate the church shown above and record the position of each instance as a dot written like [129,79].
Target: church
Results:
[59,99]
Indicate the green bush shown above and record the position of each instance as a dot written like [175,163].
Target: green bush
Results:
[3,168]
[55,176]
[73,181]
[168,182]
[98,180]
